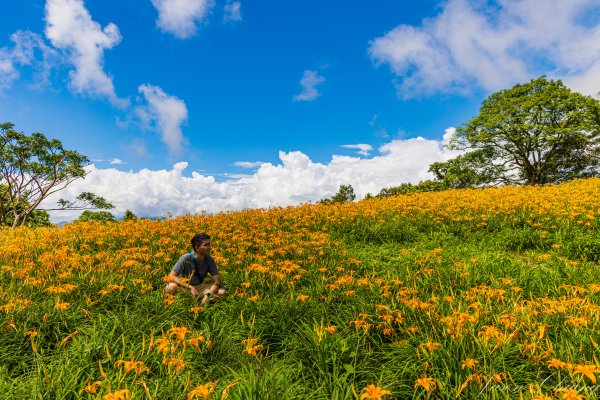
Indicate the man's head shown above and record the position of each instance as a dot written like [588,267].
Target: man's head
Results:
[200,240]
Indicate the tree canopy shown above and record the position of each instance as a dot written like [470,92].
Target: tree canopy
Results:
[36,217]
[345,193]
[34,167]
[534,133]
[102,216]
[409,188]
[129,216]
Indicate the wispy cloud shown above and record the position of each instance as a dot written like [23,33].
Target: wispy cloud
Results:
[309,82]
[138,147]
[8,70]
[70,27]
[180,17]
[363,149]
[248,164]
[236,176]
[492,45]
[232,11]
[293,180]
[111,161]
[28,50]
[164,113]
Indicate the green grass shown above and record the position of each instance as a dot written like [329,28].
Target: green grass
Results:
[368,272]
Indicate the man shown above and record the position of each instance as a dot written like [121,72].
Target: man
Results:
[191,269]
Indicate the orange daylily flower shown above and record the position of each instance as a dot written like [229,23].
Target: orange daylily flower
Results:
[202,391]
[426,383]
[373,392]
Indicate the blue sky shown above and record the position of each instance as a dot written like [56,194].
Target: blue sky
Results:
[191,105]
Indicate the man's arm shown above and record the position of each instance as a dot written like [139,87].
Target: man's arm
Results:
[175,278]
[216,284]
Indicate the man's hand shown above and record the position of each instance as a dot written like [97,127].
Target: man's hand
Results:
[194,291]
[206,298]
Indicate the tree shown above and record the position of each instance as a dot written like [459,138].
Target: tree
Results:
[345,193]
[468,170]
[37,218]
[34,167]
[129,216]
[103,216]
[535,133]
[409,188]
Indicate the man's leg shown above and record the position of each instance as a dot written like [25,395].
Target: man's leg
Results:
[173,288]
[204,287]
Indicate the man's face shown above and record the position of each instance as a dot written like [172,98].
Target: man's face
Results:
[204,247]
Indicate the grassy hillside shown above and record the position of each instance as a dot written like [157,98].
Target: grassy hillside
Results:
[492,293]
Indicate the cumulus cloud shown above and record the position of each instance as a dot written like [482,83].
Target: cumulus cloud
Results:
[29,50]
[70,28]
[117,161]
[179,17]
[448,134]
[493,45]
[248,164]
[588,82]
[164,113]
[232,11]
[363,149]
[309,82]
[294,180]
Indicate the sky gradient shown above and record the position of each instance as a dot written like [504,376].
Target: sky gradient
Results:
[191,105]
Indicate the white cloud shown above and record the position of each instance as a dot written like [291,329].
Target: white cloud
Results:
[8,69]
[29,50]
[117,161]
[179,17]
[295,179]
[70,28]
[363,149]
[138,147]
[374,120]
[232,11]
[587,82]
[236,176]
[164,113]
[493,45]
[248,164]
[309,82]
[448,134]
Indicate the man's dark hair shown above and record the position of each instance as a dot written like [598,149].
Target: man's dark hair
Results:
[198,239]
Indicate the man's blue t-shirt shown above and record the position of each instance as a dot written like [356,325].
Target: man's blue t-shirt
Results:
[184,267]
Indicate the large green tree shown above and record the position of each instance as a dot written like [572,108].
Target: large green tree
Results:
[344,194]
[36,218]
[32,167]
[534,133]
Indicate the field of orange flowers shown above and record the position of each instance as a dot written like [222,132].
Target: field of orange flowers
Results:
[491,293]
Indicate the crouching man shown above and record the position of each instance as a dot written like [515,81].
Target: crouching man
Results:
[191,269]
